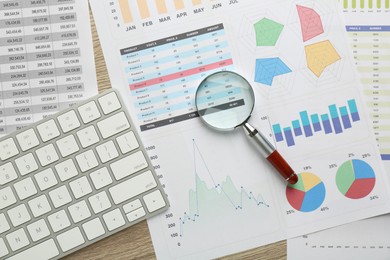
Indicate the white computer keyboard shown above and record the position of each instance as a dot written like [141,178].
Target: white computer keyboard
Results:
[73,179]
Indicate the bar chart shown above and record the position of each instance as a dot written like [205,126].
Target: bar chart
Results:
[335,121]
[362,4]
[143,8]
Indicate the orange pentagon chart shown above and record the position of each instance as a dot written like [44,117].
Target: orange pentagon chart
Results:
[320,55]
[307,194]
[267,32]
[311,24]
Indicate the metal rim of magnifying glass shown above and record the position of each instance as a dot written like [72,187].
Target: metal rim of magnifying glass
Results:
[251,92]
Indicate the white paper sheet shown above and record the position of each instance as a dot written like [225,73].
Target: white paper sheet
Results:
[364,239]
[224,197]
[368,29]
[46,59]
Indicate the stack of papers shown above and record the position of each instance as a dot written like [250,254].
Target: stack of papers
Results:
[224,196]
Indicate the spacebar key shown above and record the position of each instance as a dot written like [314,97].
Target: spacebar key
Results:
[45,250]
[133,187]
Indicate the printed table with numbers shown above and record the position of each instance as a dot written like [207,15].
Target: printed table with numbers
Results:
[42,60]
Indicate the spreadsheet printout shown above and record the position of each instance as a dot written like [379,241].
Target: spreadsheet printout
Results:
[46,59]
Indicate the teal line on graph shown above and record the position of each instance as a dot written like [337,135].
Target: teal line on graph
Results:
[220,191]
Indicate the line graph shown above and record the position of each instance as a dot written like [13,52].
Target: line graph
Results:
[224,193]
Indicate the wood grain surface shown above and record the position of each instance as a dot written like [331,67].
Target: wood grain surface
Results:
[135,242]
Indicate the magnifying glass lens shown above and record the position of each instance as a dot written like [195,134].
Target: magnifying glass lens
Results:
[224,100]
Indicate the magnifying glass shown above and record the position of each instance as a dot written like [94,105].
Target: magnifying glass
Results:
[225,101]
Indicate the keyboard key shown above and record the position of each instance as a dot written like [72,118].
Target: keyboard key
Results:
[154,201]
[129,165]
[45,250]
[19,215]
[109,103]
[46,179]
[27,140]
[60,196]
[114,219]
[66,170]
[132,187]
[7,197]
[107,151]
[79,211]
[70,239]
[17,239]
[88,136]
[101,178]
[93,228]
[80,187]
[48,130]
[136,204]
[127,142]
[47,155]
[58,221]
[38,230]
[136,214]
[26,164]
[68,121]
[25,188]
[67,145]
[3,248]
[87,160]
[113,125]
[8,149]
[99,202]
[89,112]
[39,206]
[7,173]
[4,226]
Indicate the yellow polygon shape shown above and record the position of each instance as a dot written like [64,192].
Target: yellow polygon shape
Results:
[320,55]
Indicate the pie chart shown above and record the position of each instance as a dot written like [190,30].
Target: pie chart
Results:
[355,179]
[307,194]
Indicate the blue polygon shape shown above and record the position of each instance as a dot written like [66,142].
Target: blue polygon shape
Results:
[268,68]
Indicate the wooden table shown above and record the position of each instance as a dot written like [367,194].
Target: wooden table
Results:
[135,242]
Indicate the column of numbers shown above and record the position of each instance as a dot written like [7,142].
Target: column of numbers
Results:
[14,67]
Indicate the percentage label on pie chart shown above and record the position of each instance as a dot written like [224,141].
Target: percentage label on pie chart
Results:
[307,194]
[355,179]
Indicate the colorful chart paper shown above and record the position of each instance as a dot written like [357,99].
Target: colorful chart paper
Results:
[308,88]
